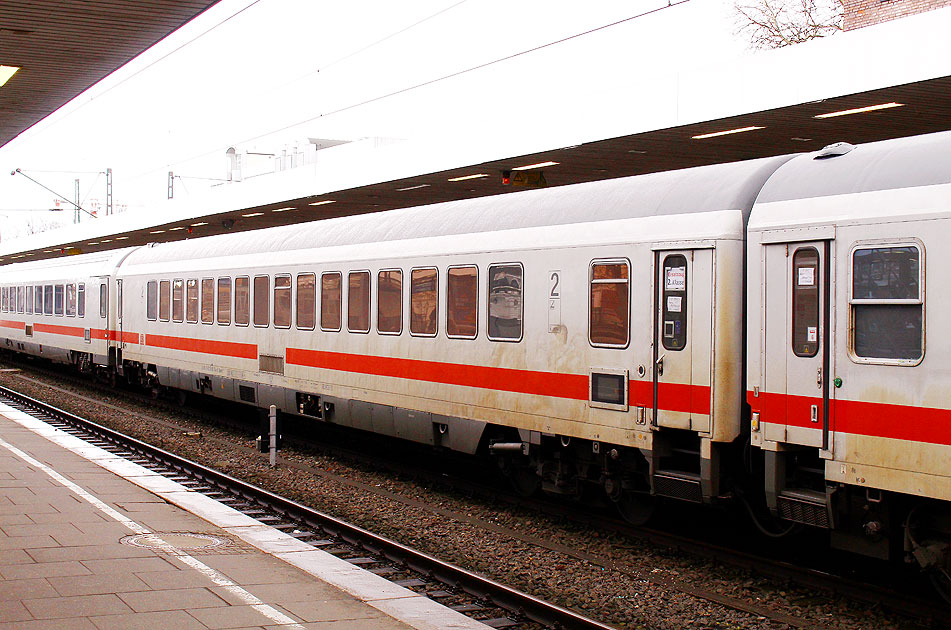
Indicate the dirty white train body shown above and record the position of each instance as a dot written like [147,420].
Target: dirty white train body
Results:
[757,330]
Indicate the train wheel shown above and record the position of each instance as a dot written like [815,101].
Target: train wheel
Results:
[636,508]
[524,480]
[942,583]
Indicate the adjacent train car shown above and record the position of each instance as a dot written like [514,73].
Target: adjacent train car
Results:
[849,360]
[62,309]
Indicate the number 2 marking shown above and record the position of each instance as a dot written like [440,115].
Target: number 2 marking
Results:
[555,279]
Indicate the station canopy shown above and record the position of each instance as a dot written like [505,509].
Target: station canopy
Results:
[885,81]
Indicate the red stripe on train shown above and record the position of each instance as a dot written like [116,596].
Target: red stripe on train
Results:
[574,386]
[204,346]
[9,323]
[899,422]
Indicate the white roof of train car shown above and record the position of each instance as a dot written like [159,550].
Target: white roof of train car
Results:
[699,190]
[67,267]
[805,189]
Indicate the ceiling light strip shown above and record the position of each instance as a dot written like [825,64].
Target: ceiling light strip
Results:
[860,110]
[728,132]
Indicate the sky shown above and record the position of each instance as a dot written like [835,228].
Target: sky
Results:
[262,75]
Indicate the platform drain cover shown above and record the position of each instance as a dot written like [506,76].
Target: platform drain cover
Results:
[178,540]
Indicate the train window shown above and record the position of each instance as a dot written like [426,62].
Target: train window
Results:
[165,300]
[242,301]
[282,301]
[151,300]
[71,300]
[58,295]
[224,301]
[306,301]
[81,300]
[29,300]
[358,301]
[262,299]
[48,299]
[330,301]
[178,300]
[424,296]
[4,298]
[886,303]
[389,302]
[191,301]
[104,300]
[38,300]
[608,305]
[462,301]
[805,302]
[674,303]
[505,302]
[207,300]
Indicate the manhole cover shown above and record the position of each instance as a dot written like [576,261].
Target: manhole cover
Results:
[179,540]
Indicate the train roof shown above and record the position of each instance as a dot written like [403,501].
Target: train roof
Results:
[690,191]
[67,267]
[841,169]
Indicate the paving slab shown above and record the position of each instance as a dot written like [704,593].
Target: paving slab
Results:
[70,515]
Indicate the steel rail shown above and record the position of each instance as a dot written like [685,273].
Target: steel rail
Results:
[512,600]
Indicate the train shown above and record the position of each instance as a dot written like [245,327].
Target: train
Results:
[755,332]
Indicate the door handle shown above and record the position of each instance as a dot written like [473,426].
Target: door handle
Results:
[659,365]
[819,378]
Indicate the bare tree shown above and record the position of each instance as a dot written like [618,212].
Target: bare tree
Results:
[778,23]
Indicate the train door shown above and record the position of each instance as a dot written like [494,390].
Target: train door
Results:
[683,338]
[797,328]
[121,339]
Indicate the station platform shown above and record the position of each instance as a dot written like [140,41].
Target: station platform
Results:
[91,541]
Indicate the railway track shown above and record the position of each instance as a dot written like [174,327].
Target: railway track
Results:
[927,613]
[322,530]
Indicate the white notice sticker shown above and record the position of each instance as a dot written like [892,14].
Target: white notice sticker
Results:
[676,279]
[674,303]
[807,276]
[812,334]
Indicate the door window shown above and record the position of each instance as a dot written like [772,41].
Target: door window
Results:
[805,302]
[674,303]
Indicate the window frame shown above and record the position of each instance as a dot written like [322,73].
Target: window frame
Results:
[436,320]
[192,303]
[179,316]
[297,302]
[339,275]
[379,273]
[151,300]
[521,305]
[81,300]
[28,303]
[211,293]
[852,302]
[369,291]
[220,303]
[266,310]
[591,282]
[290,299]
[475,302]
[59,300]
[234,296]
[70,312]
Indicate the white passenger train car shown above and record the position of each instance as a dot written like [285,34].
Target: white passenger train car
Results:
[589,333]
[849,362]
[62,309]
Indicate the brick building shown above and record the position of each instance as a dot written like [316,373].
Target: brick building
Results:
[859,13]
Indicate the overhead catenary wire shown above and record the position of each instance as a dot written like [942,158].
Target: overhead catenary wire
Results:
[671,4]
